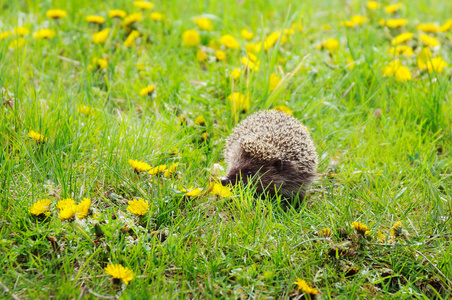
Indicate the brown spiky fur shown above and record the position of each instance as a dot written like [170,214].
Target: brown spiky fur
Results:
[274,150]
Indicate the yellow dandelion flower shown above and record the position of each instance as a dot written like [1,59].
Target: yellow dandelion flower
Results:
[239,101]
[249,63]
[157,170]
[360,227]
[116,13]
[130,40]
[86,110]
[147,90]
[289,31]
[138,207]
[191,192]
[396,69]
[213,44]
[201,55]
[236,73]
[271,40]
[68,212]
[446,26]
[132,18]
[350,63]
[200,121]
[204,24]
[436,64]
[83,208]
[247,35]
[5,34]
[325,232]
[284,38]
[56,13]
[36,136]
[100,62]
[373,5]
[191,38]
[44,34]
[64,203]
[21,31]
[394,23]
[204,136]
[381,237]
[40,207]
[95,19]
[283,109]
[423,57]
[156,16]
[17,43]
[134,34]
[252,57]
[396,229]
[402,38]
[101,36]
[349,24]
[119,272]
[220,55]
[356,21]
[330,44]
[143,4]
[258,46]
[220,190]
[428,27]
[140,66]
[305,288]
[172,168]
[401,49]
[429,40]
[229,41]
[139,166]
[274,81]
[390,9]
[250,47]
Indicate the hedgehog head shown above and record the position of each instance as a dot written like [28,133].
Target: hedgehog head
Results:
[258,165]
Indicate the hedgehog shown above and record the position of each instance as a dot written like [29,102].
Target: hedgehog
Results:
[273,151]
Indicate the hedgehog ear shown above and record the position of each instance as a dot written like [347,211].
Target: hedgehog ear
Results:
[278,165]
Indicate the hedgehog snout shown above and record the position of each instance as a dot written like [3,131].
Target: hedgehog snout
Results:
[226,181]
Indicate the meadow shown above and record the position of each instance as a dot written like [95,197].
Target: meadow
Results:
[113,121]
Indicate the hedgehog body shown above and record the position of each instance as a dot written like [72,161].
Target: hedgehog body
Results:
[273,150]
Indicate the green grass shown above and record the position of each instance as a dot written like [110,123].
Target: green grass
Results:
[375,169]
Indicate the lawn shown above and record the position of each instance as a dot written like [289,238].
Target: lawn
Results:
[114,116]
